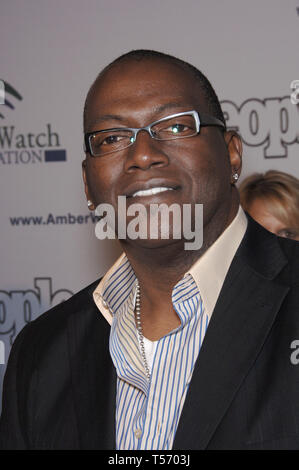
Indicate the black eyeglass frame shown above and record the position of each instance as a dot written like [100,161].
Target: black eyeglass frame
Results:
[202,120]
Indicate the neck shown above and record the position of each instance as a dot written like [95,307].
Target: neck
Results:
[158,268]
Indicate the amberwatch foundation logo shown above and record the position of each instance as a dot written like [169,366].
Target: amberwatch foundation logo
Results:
[270,123]
[19,147]
[6,90]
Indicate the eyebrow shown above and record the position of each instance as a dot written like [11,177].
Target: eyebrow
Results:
[163,107]
[103,118]
[116,117]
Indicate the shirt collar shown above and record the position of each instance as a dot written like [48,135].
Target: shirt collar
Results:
[209,271]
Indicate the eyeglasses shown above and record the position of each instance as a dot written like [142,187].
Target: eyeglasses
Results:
[175,126]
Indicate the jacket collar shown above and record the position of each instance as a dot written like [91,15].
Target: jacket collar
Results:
[246,308]
[92,373]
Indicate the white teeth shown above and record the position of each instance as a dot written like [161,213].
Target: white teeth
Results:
[149,192]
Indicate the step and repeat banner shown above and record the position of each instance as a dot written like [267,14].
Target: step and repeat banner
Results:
[50,53]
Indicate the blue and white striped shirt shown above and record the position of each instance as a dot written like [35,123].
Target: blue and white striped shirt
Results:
[147,413]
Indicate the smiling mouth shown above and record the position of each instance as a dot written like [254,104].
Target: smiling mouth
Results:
[151,191]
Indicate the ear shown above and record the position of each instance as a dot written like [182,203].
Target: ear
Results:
[235,149]
[89,201]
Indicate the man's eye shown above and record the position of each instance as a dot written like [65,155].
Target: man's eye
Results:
[178,128]
[111,139]
[173,129]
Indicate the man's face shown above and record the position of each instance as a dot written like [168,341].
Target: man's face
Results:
[198,169]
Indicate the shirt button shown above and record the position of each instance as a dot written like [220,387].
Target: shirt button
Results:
[138,433]
[104,303]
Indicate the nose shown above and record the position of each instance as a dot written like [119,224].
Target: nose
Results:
[144,153]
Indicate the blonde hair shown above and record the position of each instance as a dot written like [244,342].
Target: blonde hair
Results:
[279,191]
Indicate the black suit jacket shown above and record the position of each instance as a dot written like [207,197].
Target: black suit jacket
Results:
[60,385]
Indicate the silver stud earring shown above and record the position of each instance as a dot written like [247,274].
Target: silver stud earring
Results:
[89,203]
[235,177]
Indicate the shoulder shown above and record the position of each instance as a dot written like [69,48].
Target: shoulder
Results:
[82,300]
[290,249]
[40,364]
[54,324]
[269,255]
[66,329]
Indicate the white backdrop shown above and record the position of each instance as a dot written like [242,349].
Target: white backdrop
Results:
[51,51]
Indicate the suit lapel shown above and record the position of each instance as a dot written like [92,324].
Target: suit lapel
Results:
[241,321]
[93,376]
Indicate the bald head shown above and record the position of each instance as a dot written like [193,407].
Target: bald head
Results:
[141,55]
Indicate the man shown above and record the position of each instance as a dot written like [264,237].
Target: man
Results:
[173,348]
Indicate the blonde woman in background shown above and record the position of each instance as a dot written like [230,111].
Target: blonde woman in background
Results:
[272,199]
